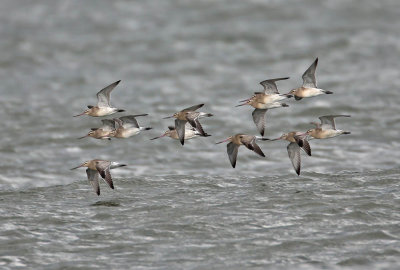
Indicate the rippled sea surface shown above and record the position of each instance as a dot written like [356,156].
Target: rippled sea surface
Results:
[185,207]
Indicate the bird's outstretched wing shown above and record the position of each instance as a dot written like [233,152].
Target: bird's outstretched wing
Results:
[130,121]
[232,150]
[259,119]
[250,142]
[294,155]
[103,167]
[270,85]
[93,177]
[309,75]
[193,108]
[180,129]
[108,124]
[103,96]
[328,121]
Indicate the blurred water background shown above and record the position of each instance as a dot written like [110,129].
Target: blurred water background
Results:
[180,207]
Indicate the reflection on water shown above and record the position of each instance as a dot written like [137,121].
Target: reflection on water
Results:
[106,203]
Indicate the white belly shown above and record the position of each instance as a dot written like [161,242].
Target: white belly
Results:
[126,133]
[269,105]
[103,111]
[273,98]
[312,92]
[330,133]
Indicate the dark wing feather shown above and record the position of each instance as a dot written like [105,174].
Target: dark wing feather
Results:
[294,155]
[119,122]
[193,108]
[199,128]
[270,85]
[232,150]
[259,119]
[193,119]
[328,121]
[103,96]
[306,147]
[301,140]
[93,177]
[108,124]
[103,167]
[180,129]
[309,75]
[250,142]
[257,149]
[129,121]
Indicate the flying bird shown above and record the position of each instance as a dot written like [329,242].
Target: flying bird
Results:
[296,141]
[190,133]
[192,117]
[241,139]
[103,106]
[104,132]
[309,87]
[327,128]
[262,101]
[102,167]
[128,126]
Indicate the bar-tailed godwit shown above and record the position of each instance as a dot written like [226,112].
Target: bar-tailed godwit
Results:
[309,87]
[102,167]
[327,128]
[297,140]
[128,126]
[241,139]
[104,132]
[192,117]
[190,133]
[262,101]
[103,106]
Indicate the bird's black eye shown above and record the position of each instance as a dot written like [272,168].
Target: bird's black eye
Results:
[241,137]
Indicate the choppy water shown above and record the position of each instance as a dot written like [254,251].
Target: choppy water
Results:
[184,207]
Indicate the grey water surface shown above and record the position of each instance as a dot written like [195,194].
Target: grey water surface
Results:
[185,207]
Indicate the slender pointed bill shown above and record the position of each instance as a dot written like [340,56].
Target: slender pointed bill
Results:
[80,114]
[276,139]
[83,137]
[228,139]
[241,104]
[158,137]
[77,167]
[168,117]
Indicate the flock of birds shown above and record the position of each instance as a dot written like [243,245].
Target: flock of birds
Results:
[188,126]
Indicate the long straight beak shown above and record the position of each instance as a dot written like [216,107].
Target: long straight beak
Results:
[280,138]
[80,114]
[83,137]
[77,167]
[241,104]
[302,135]
[159,137]
[168,117]
[262,138]
[228,139]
